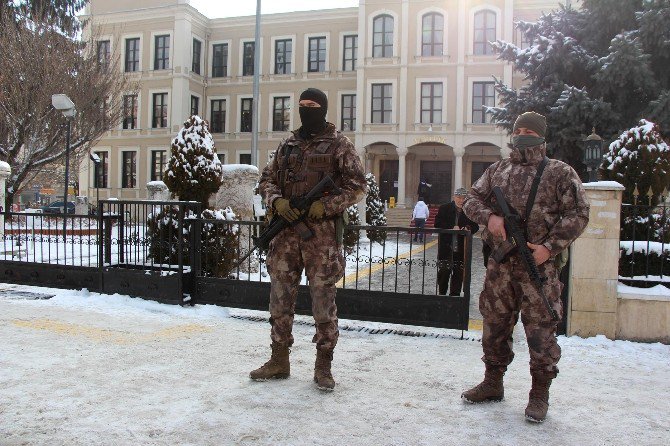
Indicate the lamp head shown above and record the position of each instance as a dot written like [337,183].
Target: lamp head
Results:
[63,104]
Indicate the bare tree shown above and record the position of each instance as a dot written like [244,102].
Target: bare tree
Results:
[37,60]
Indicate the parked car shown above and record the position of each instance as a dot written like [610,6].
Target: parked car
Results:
[57,208]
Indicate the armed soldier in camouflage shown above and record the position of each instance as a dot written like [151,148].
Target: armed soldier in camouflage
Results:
[311,152]
[558,215]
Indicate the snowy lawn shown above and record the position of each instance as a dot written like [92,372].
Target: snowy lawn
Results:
[86,369]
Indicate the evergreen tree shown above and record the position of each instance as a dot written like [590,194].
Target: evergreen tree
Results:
[60,12]
[374,210]
[351,237]
[639,158]
[193,171]
[590,68]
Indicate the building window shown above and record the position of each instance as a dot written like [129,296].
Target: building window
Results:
[283,52]
[381,103]
[281,115]
[130,111]
[432,35]
[132,54]
[159,118]
[245,158]
[248,59]
[104,54]
[350,52]
[157,164]
[197,51]
[483,94]
[382,36]
[129,177]
[485,32]
[317,54]
[348,123]
[521,39]
[101,169]
[195,106]
[246,108]
[218,118]
[220,60]
[222,157]
[162,53]
[431,102]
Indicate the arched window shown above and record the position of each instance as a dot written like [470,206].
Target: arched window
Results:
[382,36]
[485,32]
[432,34]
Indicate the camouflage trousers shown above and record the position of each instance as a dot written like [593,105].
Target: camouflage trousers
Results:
[323,262]
[509,291]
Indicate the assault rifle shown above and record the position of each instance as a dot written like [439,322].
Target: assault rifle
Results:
[278,223]
[517,238]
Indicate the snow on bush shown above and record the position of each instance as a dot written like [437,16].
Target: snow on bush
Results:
[374,210]
[219,240]
[193,170]
[351,236]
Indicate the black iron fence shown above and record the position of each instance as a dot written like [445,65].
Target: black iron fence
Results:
[645,245]
[174,253]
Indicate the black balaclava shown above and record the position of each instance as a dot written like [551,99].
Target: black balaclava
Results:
[313,118]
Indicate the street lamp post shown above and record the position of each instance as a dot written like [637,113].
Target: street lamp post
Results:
[593,154]
[65,105]
[96,161]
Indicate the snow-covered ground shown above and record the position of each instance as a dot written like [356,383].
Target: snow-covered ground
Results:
[87,369]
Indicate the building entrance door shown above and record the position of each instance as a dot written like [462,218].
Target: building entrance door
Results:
[388,179]
[438,174]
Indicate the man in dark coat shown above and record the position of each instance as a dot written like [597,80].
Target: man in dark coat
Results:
[450,258]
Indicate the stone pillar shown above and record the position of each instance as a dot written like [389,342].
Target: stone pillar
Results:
[402,177]
[157,191]
[5,172]
[458,167]
[594,265]
[237,192]
[369,162]
[81,205]
[362,205]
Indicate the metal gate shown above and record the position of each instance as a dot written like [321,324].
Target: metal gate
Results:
[394,281]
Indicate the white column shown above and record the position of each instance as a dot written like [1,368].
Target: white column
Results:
[181,94]
[402,177]
[458,167]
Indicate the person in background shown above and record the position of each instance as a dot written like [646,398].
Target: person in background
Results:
[451,250]
[424,190]
[420,215]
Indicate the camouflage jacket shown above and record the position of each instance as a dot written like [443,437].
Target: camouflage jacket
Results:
[561,209]
[346,168]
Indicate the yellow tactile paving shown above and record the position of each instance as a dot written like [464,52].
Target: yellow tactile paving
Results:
[110,336]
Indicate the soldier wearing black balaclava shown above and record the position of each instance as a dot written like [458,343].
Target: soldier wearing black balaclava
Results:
[556,217]
[314,150]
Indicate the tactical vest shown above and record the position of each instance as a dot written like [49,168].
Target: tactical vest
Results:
[298,174]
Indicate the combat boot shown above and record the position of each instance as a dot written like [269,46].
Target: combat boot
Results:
[322,375]
[538,399]
[491,389]
[278,367]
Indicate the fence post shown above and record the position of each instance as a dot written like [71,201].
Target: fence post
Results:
[122,231]
[594,265]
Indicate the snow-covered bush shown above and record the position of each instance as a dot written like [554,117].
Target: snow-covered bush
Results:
[351,237]
[219,241]
[639,157]
[193,170]
[374,210]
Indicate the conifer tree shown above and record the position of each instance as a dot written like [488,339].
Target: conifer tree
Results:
[193,170]
[374,210]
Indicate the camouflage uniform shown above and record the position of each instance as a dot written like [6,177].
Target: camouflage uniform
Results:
[558,216]
[321,256]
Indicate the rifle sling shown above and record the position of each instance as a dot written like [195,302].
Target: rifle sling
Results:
[534,187]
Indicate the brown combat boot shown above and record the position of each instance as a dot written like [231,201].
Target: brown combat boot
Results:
[491,389]
[322,375]
[278,367]
[538,399]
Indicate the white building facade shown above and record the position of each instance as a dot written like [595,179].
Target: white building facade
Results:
[406,81]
